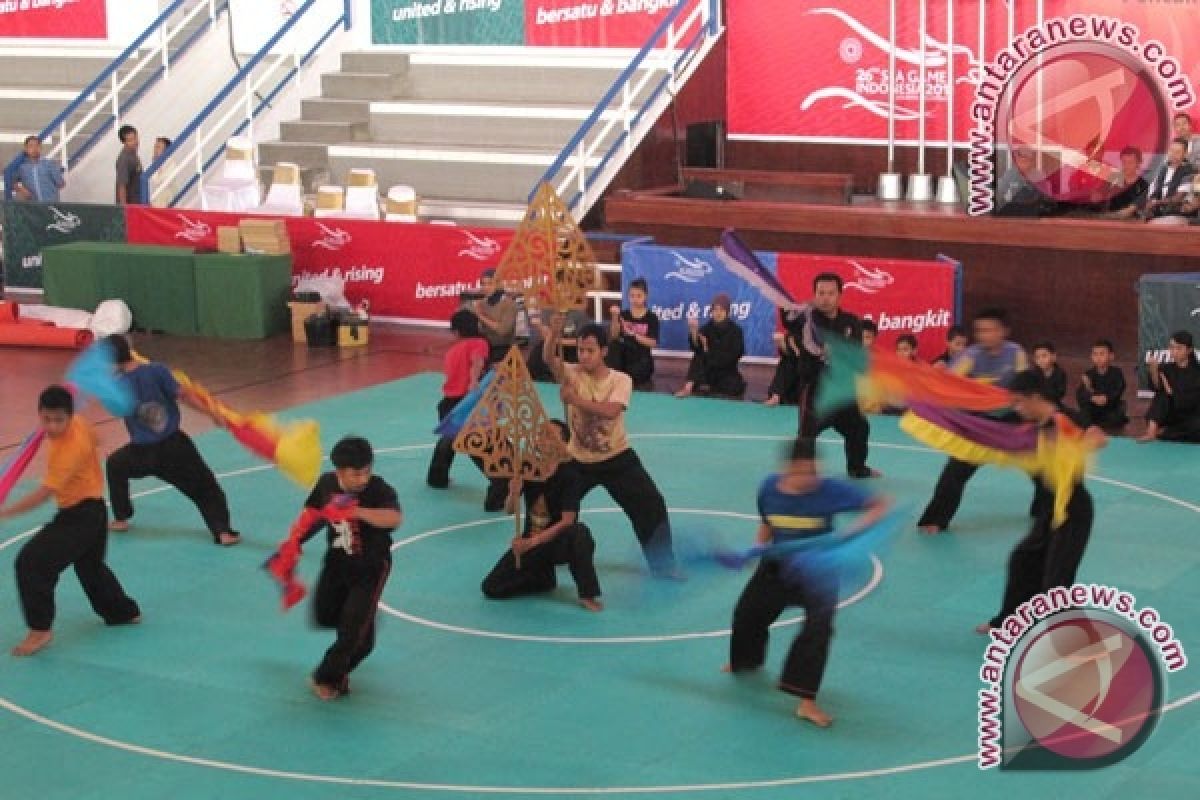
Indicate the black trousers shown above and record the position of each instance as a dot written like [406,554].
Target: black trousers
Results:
[948,494]
[763,600]
[1177,425]
[574,547]
[718,380]
[1047,558]
[785,383]
[176,461]
[632,488]
[848,421]
[346,599]
[77,536]
[1102,416]
[630,358]
[442,460]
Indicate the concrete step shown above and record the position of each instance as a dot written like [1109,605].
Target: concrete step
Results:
[566,85]
[33,109]
[435,170]
[379,63]
[314,155]
[319,131]
[362,86]
[48,70]
[326,109]
[490,124]
[472,213]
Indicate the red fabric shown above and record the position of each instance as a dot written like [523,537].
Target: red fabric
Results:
[413,272]
[457,365]
[283,562]
[79,19]
[618,24]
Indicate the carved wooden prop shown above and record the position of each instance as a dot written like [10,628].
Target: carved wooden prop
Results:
[510,431]
[549,259]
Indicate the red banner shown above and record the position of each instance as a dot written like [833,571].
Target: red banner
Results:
[818,69]
[593,23]
[54,19]
[413,272]
[916,297]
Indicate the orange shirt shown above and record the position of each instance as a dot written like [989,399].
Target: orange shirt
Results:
[73,472]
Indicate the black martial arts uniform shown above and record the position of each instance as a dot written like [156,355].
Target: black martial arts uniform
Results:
[1178,412]
[572,546]
[159,448]
[714,368]
[1110,384]
[353,575]
[626,353]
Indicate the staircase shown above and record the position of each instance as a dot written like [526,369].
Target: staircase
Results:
[471,133]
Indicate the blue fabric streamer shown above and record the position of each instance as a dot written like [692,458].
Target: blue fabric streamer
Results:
[452,423]
[94,373]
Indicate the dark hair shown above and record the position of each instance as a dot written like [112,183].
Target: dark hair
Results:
[870,325]
[352,452]
[465,324]
[56,398]
[1045,345]
[908,339]
[165,141]
[804,448]
[639,283]
[125,131]
[1029,383]
[993,313]
[1184,338]
[1106,344]
[1182,141]
[32,138]
[121,351]
[827,277]
[594,331]
[1130,150]
[957,330]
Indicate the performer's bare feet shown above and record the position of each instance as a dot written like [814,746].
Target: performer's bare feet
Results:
[686,391]
[930,530]
[772,400]
[1151,433]
[33,642]
[228,539]
[325,691]
[728,667]
[118,526]
[809,710]
[591,604]
[983,628]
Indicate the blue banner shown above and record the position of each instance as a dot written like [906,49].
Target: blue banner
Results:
[682,283]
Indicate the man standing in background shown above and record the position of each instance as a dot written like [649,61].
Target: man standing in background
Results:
[37,179]
[129,168]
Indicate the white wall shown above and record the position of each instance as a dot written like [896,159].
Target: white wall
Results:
[256,21]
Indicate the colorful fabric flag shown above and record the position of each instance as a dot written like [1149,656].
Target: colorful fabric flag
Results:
[741,261]
[14,468]
[452,423]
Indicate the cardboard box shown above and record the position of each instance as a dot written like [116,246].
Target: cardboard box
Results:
[301,312]
[268,236]
[353,333]
[229,239]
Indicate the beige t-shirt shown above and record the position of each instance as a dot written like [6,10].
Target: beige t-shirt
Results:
[594,438]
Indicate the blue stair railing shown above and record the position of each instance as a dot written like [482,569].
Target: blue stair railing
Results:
[99,108]
[619,121]
[246,95]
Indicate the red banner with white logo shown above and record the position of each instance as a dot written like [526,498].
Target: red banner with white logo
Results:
[413,272]
[917,297]
[54,19]
[593,23]
[819,69]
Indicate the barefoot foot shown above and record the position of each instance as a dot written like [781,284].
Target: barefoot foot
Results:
[118,526]
[810,711]
[772,400]
[228,539]
[983,628]
[591,604]
[930,530]
[686,391]
[325,691]
[33,642]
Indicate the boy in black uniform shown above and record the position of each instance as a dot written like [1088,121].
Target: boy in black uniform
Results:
[360,511]
[553,535]
[1047,557]
[1101,392]
[828,319]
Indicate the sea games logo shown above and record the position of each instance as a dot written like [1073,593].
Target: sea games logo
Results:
[193,231]
[1067,95]
[64,222]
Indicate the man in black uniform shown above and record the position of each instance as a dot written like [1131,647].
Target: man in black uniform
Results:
[808,329]
[553,535]
[360,511]
[1047,557]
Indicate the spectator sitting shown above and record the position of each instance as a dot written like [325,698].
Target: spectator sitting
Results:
[1165,198]
[1181,125]
[956,342]
[1054,380]
[1133,187]
[1174,413]
[906,348]
[717,348]
[633,337]
[573,322]
[1101,390]
[38,180]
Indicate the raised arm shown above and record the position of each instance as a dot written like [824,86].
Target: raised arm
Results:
[550,352]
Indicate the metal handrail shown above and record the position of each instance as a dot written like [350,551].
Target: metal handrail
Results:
[110,104]
[243,105]
[704,15]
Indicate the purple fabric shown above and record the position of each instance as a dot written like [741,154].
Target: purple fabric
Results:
[1005,436]
[741,261]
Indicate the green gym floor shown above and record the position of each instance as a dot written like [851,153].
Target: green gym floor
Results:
[465,697]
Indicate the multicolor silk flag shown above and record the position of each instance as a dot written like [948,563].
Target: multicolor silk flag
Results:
[741,261]
[1058,455]
[14,468]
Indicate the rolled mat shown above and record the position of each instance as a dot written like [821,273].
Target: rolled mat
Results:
[9,312]
[44,336]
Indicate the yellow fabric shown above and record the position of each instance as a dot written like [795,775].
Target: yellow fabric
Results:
[73,471]
[787,522]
